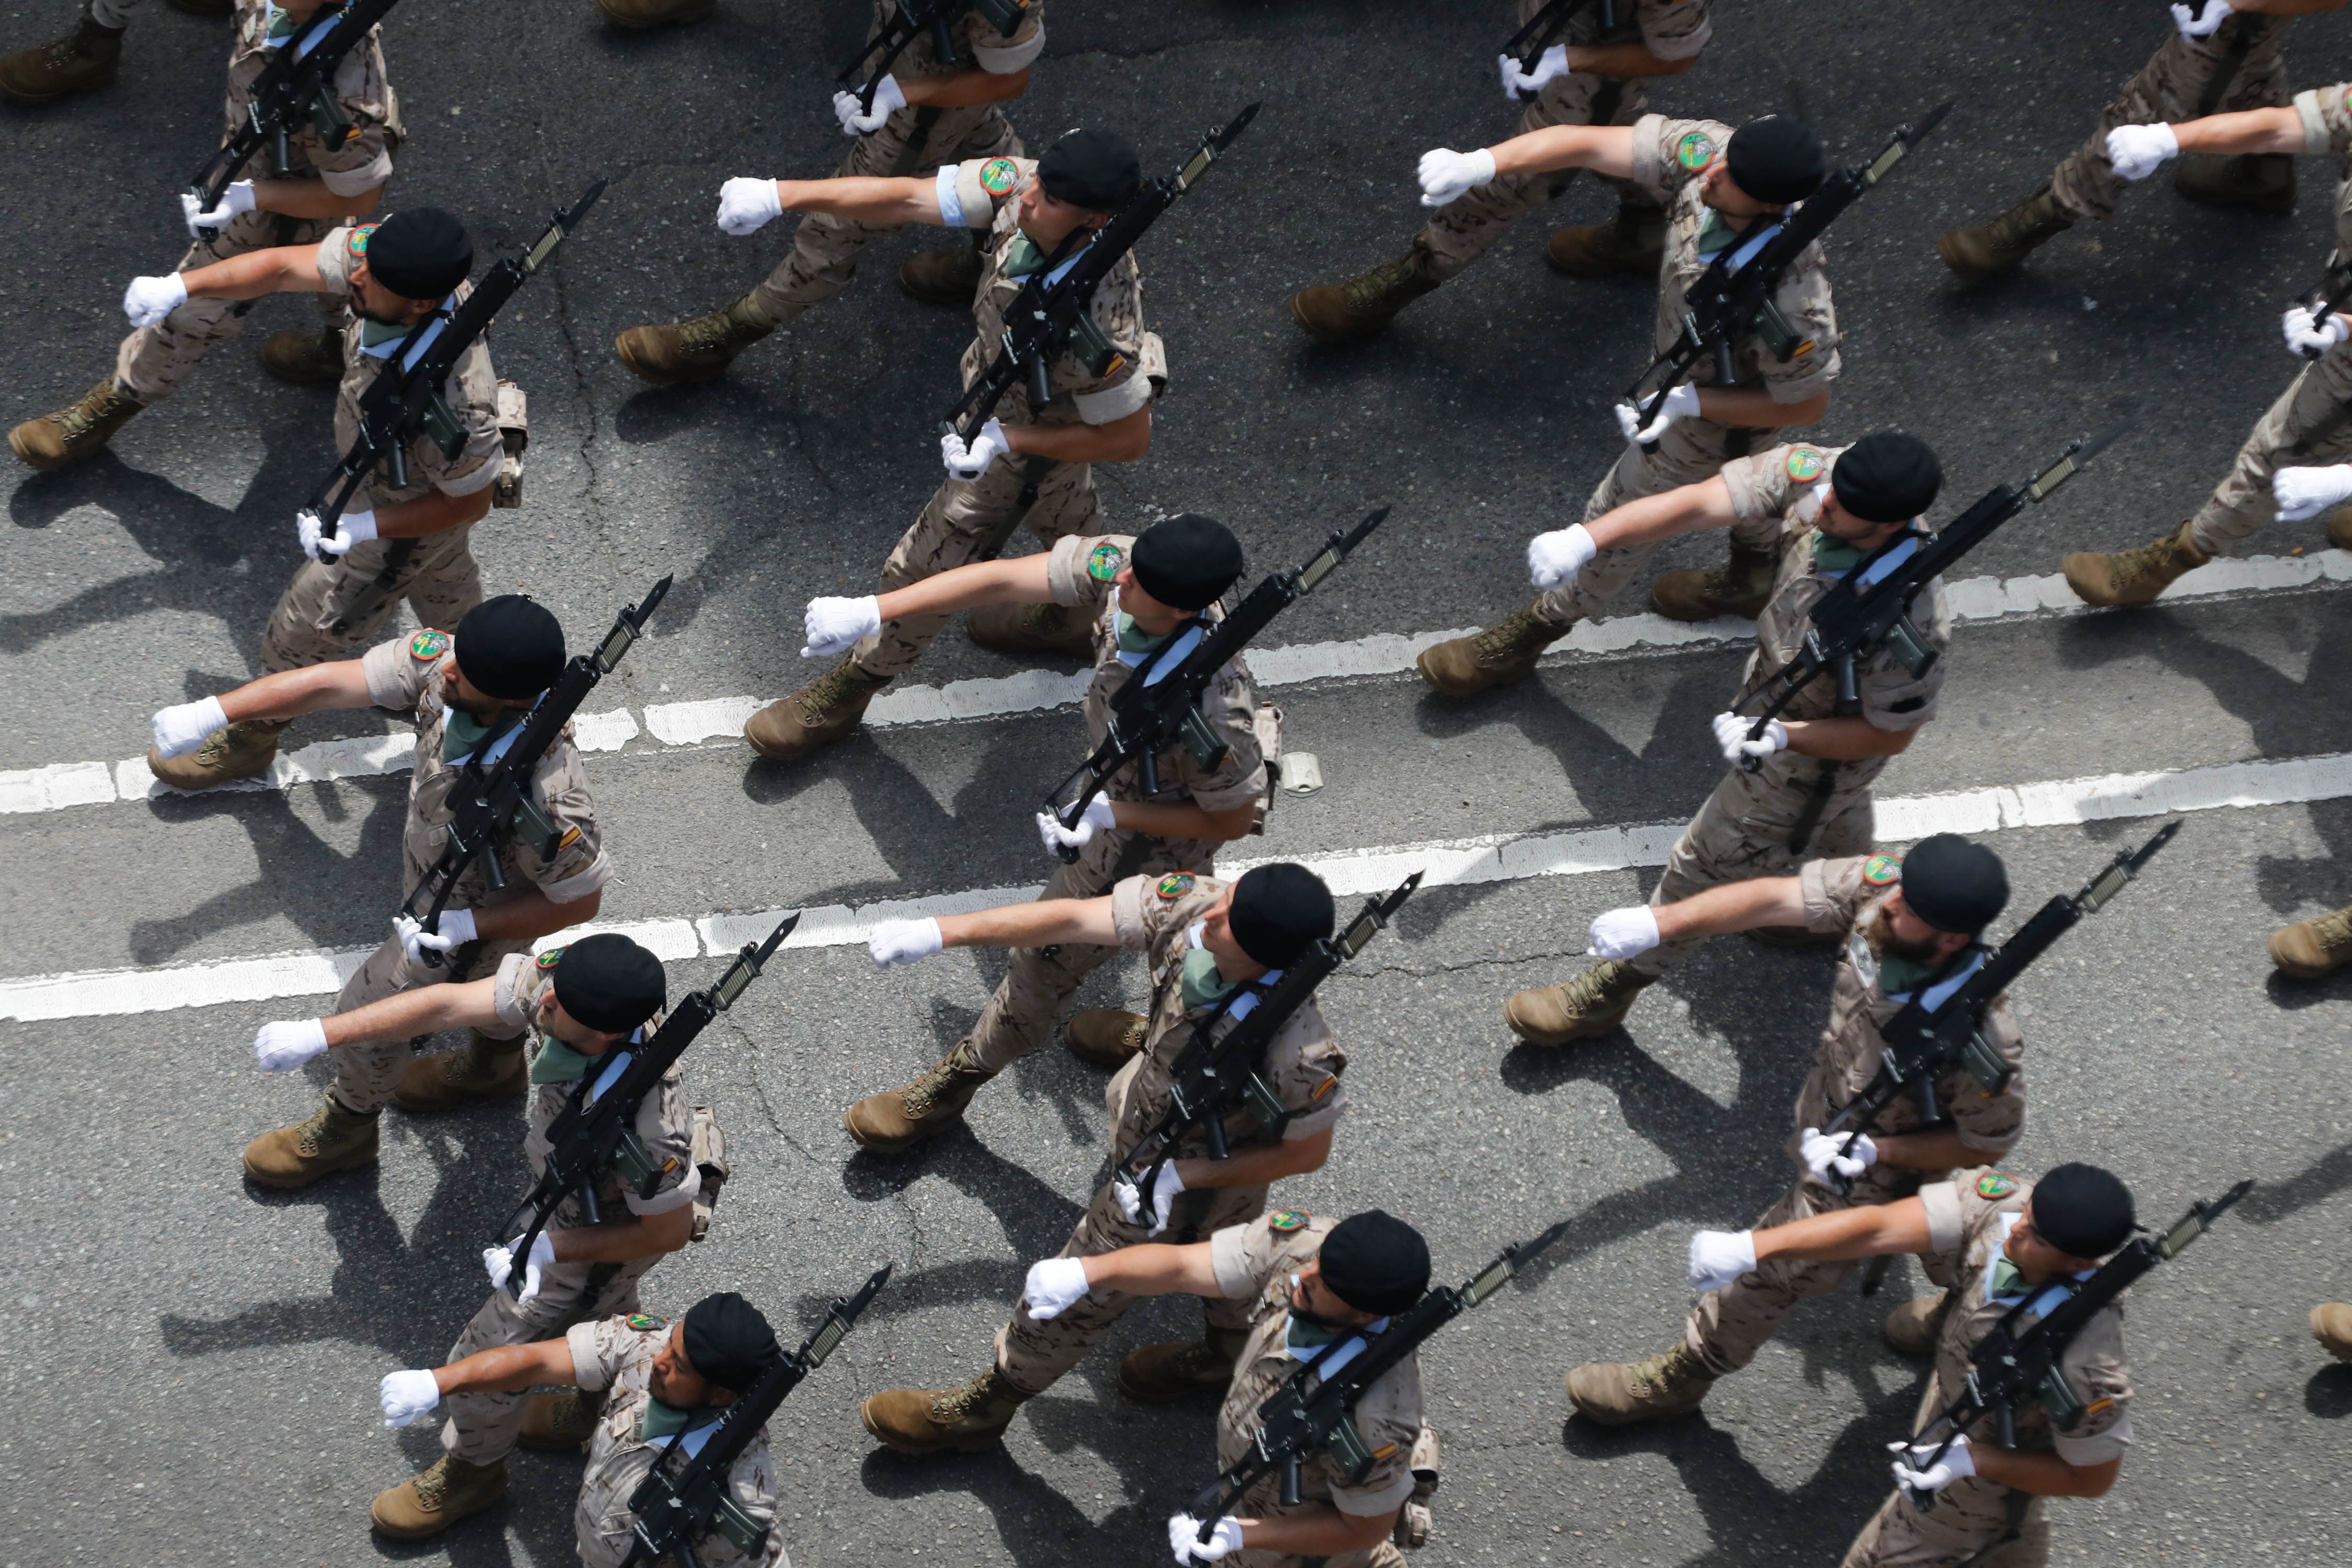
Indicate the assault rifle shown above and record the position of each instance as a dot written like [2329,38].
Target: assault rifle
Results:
[2009,1367]
[298,84]
[2335,292]
[1870,609]
[678,1501]
[1157,706]
[1724,302]
[597,1129]
[1221,1074]
[1297,1421]
[488,807]
[1546,28]
[909,20]
[1047,317]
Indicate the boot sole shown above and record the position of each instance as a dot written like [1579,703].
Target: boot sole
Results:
[294,1183]
[924,1450]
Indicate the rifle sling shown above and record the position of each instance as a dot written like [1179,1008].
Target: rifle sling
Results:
[2014,1504]
[1817,801]
[379,589]
[1032,480]
[910,157]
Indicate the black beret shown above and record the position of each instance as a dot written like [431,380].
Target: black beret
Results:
[2083,1210]
[1888,476]
[510,647]
[1097,170]
[1186,562]
[609,983]
[1376,1263]
[729,1342]
[1954,885]
[421,253]
[1278,911]
[1776,159]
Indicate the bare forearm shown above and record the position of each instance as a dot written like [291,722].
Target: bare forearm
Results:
[1022,581]
[434,513]
[1933,1149]
[2251,131]
[885,202]
[1846,1234]
[1182,819]
[624,1240]
[1123,440]
[1041,924]
[291,693]
[1752,407]
[1322,1531]
[1734,906]
[250,276]
[427,1010]
[1685,509]
[1623,62]
[1605,149]
[1155,1269]
[1844,739]
[966,87]
[311,199]
[532,916]
[2046,1475]
[508,1369]
[1259,1166]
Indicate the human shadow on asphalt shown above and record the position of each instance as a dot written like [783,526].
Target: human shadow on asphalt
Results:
[2322,1178]
[1035,1220]
[2328,1392]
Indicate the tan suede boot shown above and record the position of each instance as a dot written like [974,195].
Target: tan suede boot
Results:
[438,1498]
[2340,528]
[801,725]
[559,1423]
[78,430]
[900,1118]
[699,350]
[948,276]
[1104,1037]
[1741,586]
[1632,241]
[241,751]
[643,14]
[1503,653]
[2308,950]
[1618,1393]
[2002,245]
[967,1420]
[84,59]
[1911,1328]
[1162,1374]
[306,359]
[2131,577]
[2331,1325]
[328,1140]
[484,1069]
[2256,182]
[1361,307]
[1594,1002]
[1033,628]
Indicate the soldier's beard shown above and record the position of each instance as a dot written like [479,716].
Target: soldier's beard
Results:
[1880,934]
[449,699]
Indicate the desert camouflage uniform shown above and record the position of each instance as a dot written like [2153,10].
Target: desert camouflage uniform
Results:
[1973,1218]
[1302,1066]
[1730,1326]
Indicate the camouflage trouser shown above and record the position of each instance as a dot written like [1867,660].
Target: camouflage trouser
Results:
[153,361]
[1032,1353]
[2310,424]
[1968,1516]
[2174,86]
[1466,228]
[1690,451]
[482,1427]
[912,142]
[365,1075]
[334,606]
[1743,831]
[967,520]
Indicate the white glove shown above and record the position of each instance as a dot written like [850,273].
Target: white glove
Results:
[834,626]
[499,1262]
[1956,1464]
[2303,338]
[1519,86]
[1682,402]
[457,930]
[856,119]
[149,300]
[1731,735]
[894,943]
[2307,492]
[2137,150]
[1053,1286]
[1164,1188]
[746,204]
[1184,1540]
[407,1397]
[320,545]
[968,462]
[282,1047]
[182,727]
[1446,174]
[2193,27]
[1821,1152]
[235,201]
[1719,1257]
[1093,820]
[1553,558]
[1623,934]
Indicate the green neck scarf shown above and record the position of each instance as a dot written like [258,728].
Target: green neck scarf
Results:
[2007,1279]
[1715,234]
[1133,638]
[462,734]
[1202,984]
[374,334]
[1311,1337]
[657,1421]
[1833,554]
[1022,258]
[559,1063]
[1901,976]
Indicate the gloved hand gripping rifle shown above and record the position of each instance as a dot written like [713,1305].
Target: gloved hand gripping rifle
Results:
[909,20]
[1546,28]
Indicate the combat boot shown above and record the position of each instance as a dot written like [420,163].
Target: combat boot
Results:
[901,1118]
[1741,586]
[240,751]
[1594,1002]
[1911,1328]
[2331,1325]
[306,359]
[484,1069]
[2310,949]
[2340,528]
[438,1498]
[1361,307]
[948,276]
[814,717]
[699,350]
[2257,182]
[84,59]
[1618,1393]
[642,14]
[328,1140]
[76,431]
[2131,577]
[2001,245]
[1104,1037]
[1162,1374]
[1503,653]
[1632,241]
[967,1420]
[1033,628]
[559,1423]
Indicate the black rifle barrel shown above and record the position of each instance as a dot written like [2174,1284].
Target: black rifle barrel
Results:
[287,90]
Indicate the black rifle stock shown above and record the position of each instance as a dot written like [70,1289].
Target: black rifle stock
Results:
[909,20]
[489,806]
[291,89]
[1144,719]
[1047,317]
[588,1135]
[678,1502]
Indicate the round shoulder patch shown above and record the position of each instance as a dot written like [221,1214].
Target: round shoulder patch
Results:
[428,644]
[1284,1221]
[1807,463]
[1994,1184]
[998,176]
[646,1322]
[357,244]
[1176,884]
[552,957]
[1695,150]
[1104,560]
[1880,870]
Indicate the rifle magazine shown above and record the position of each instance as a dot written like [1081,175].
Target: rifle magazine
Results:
[746,1534]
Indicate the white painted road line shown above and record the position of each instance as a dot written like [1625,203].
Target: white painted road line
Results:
[1456,862]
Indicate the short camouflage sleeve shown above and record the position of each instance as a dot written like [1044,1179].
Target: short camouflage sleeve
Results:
[1674,29]
[1001,54]
[665,1127]
[339,251]
[1991,1123]
[2326,116]
[1148,912]
[578,866]
[1837,891]
[972,192]
[1805,303]
[603,1350]
[1079,570]
[1892,697]
[1247,1256]
[401,671]
[1670,154]
[1230,706]
[1941,1200]
[1389,1416]
[2100,1375]
[520,981]
[1774,483]
[1303,1064]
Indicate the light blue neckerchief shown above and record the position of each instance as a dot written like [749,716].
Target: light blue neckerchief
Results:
[423,340]
[1168,655]
[1340,1358]
[1248,1002]
[2051,1296]
[505,743]
[1747,248]
[320,26]
[1941,991]
[1879,569]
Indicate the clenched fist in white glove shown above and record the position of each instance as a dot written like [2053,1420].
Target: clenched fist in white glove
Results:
[856,119]
[2194,27]
[968,462]
[1553,558]
[1519,86]
[2307,492]
[1913,1471]
[1446,175]
[282,1047]
[457,930]
[2303,337]
[1623,934]
[1184,1540]
[182,727]
[499,1263]
[1096,818]
[834,626]
[1164,1188]
[1731,736]
[747,205]
[894,943]
[320,545]
[1682,402]
[1053,1286]
[1825,1151]
[2138,151]
[235,201]
[149,300]
[407,1397]
[1719,1257]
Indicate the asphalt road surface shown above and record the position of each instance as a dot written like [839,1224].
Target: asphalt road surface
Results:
[192,1364]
